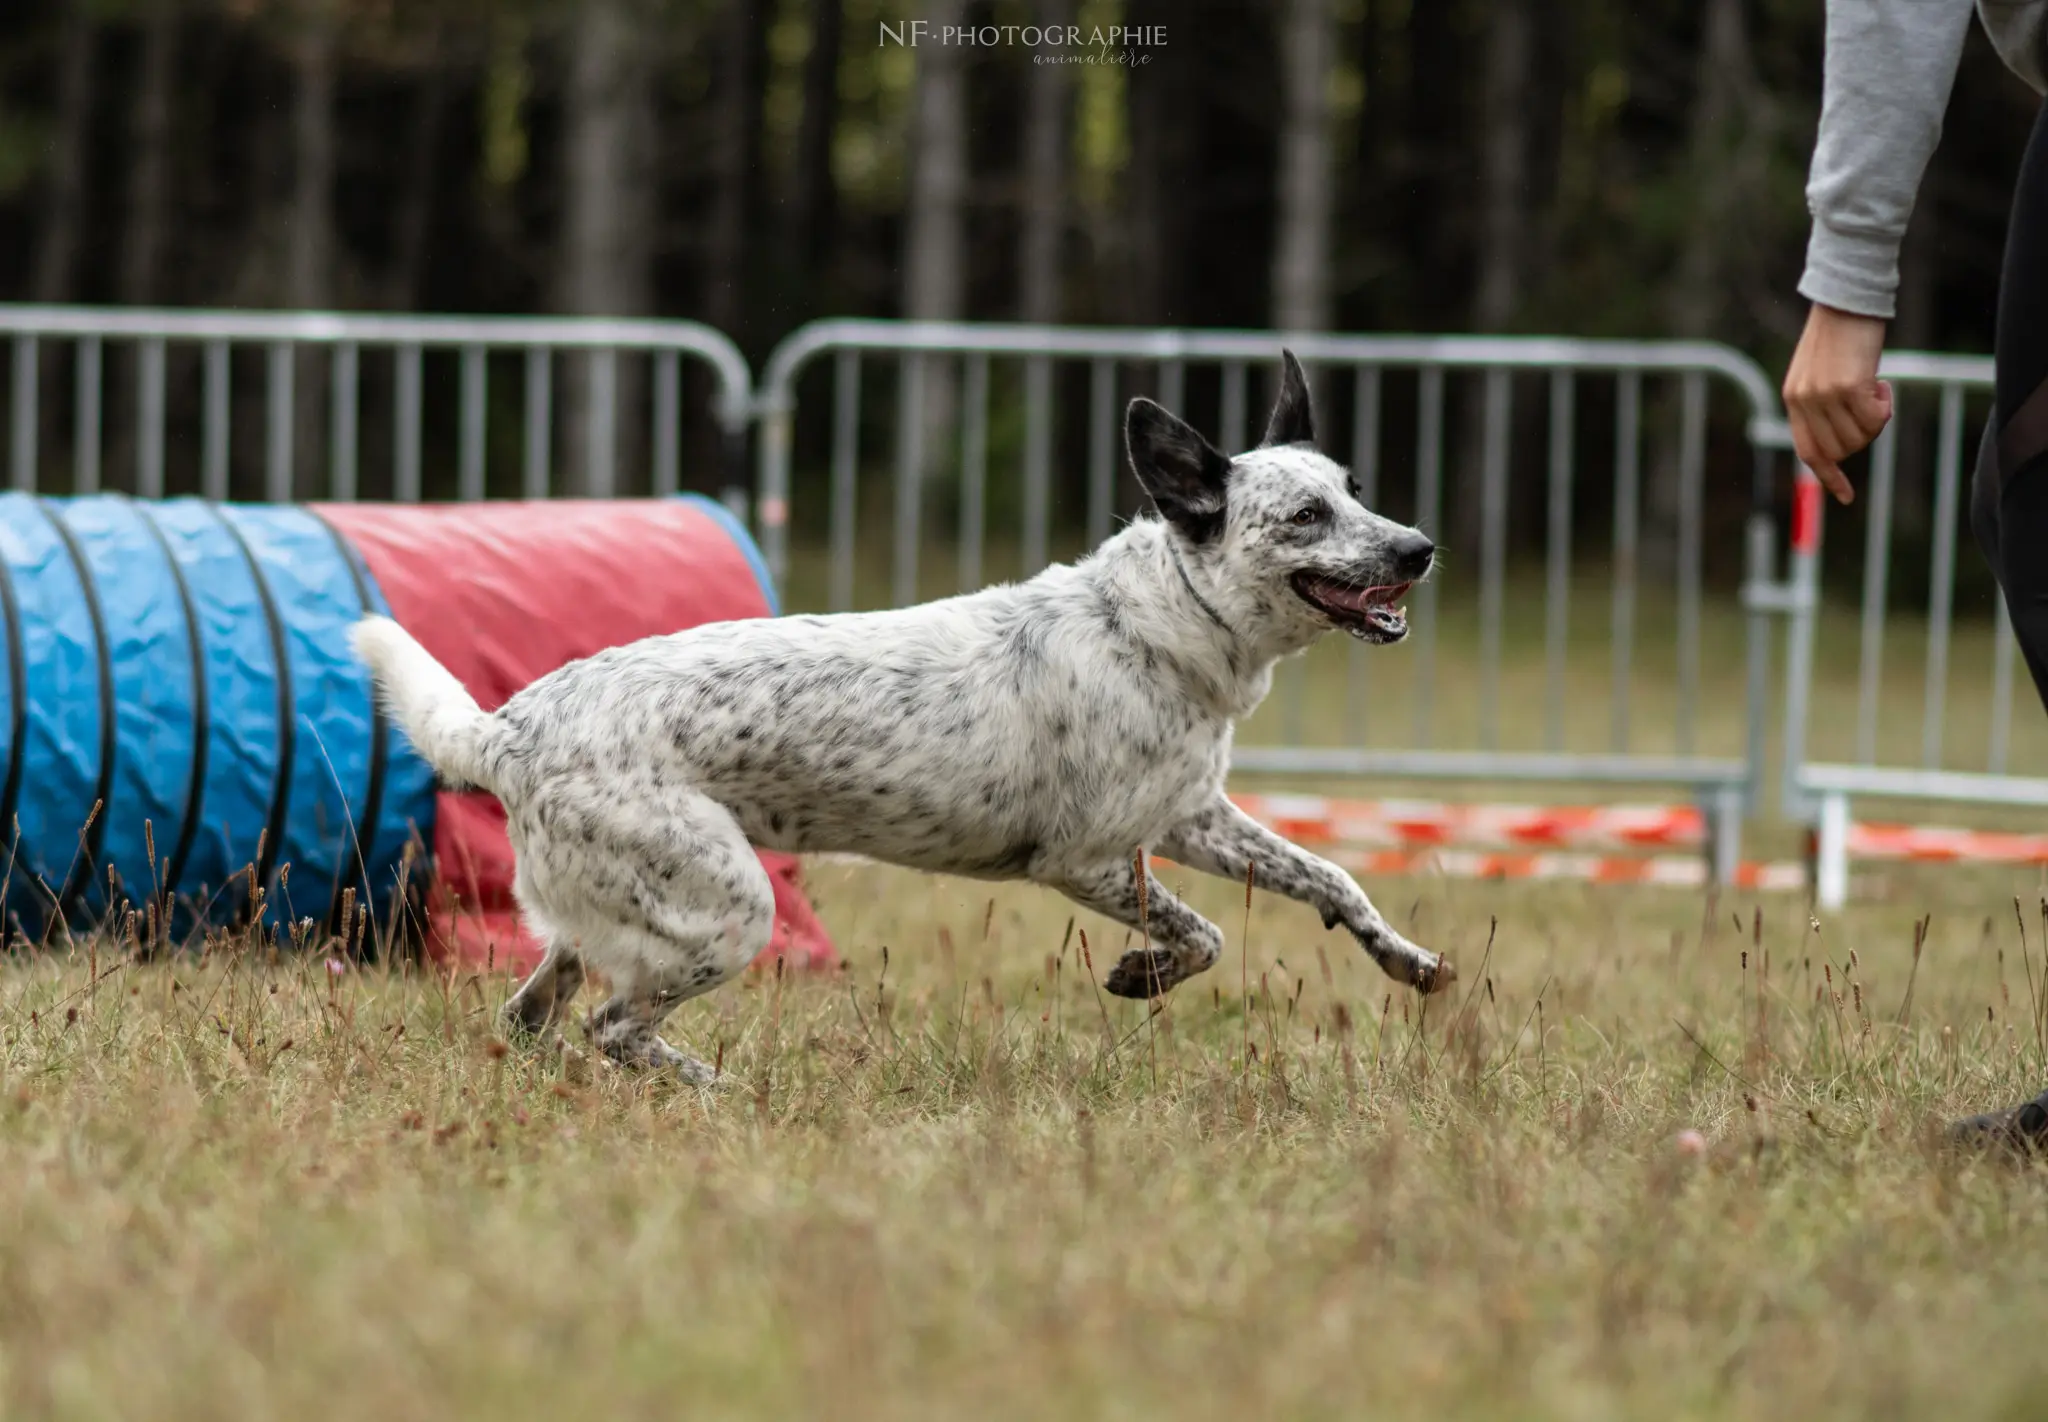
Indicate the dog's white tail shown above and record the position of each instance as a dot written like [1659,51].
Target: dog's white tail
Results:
[441,719]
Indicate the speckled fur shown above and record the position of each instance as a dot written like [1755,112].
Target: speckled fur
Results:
[1047,730]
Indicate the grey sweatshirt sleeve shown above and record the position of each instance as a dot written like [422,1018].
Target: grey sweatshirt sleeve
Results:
[1890,66]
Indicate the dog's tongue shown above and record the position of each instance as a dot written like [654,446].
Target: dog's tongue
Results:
[1358,599]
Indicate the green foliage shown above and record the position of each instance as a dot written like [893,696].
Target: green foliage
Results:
[507,88]
[24,141]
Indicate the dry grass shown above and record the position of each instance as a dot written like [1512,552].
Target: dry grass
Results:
[238,1187]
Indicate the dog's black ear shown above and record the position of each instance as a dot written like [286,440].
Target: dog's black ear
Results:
[1183,473]
[1293,422]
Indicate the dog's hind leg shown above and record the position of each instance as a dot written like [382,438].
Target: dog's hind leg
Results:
[1179,942]
[666,969]
[547,992]
[1222,839]
[668,900]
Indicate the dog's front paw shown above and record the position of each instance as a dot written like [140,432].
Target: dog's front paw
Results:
[1143,973]
[1408,963]
[1434,975]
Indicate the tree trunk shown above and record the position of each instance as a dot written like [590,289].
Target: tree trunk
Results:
[935,257]
[1504,165]
[309,257]
[404,281]
[1364,208]
[56,258]
[146,189]
[1301,256]
[54,273]
[1724,94]
[817,195]
[934,271]
[1045,178]
[150,156]
[1721,156]
[604,248]
[309,263]
[1159,99]
[1504,223]
[1432,151]
[736,145]
[604,269]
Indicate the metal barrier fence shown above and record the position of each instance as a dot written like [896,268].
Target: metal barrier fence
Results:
[163,400]
[991,380]
[1923,766]
[146,400]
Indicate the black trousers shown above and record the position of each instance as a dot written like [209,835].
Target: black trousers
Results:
[2009,495]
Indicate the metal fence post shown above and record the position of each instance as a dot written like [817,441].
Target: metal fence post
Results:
[1803,606]
[22,443]
[1758,558]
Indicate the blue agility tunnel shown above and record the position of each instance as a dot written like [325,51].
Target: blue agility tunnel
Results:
[185,718]
[185,668]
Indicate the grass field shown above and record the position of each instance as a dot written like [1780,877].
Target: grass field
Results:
[955,1180]
[970,1186]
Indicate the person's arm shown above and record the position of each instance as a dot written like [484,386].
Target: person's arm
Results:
[1889,68]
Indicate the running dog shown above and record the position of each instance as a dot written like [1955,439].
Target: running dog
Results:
[1057,730]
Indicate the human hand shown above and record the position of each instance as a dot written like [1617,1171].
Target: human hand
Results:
[1836,403]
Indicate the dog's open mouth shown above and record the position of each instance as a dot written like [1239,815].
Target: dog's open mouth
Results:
[1371,614]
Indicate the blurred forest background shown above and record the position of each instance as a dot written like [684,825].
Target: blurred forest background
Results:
[1580,166]
[1587,167]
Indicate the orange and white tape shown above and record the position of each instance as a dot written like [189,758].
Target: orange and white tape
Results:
[1679,871]
[1398,837]
[1934,844]
[1399,824]
[1493,841]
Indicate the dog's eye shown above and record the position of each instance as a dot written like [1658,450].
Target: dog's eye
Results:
[1303,517]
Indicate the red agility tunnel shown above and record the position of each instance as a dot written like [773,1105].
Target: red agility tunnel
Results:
[503,593]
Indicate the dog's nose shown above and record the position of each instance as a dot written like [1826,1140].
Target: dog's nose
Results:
[1413,554]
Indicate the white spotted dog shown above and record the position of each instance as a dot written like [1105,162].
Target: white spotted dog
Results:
[1048,730]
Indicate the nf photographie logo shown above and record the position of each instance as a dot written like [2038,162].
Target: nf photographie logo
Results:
[1050,44]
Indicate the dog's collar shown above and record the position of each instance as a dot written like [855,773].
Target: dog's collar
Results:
[1189,583]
